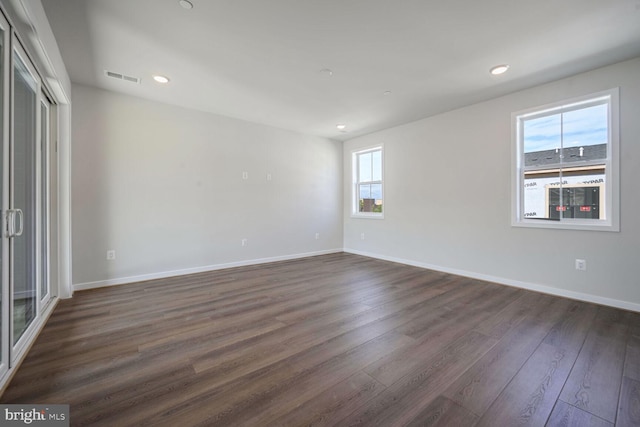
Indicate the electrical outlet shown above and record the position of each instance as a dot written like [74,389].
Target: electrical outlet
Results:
[581,264]
[268,177]
[317,236]
[245,242]
[245,175]
[361,236]
[111,254]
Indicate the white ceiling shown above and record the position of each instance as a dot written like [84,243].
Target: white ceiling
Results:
[261,60]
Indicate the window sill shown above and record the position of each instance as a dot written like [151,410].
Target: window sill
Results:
[566,225]
[367,216]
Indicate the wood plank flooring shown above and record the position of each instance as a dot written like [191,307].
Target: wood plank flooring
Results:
[333,340]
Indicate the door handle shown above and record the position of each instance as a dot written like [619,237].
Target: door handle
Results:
[11,222]
[21,215]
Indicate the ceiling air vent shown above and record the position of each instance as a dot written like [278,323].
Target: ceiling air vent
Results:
[121,76]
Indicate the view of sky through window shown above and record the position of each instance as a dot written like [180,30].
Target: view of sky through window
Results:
[585,126]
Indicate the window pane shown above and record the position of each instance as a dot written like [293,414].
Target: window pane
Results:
[376,195]
[585,134]
[370,198]
[377,165]
[582,201]
[365,191]
[364,167]
[584,192]
[542,140]
[541,196]
[24,198]
[376,191]
[580,195]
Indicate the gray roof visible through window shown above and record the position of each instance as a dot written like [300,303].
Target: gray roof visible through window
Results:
[571,154]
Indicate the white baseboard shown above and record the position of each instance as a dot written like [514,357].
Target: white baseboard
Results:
[509,282]
[501,280]
[182,272]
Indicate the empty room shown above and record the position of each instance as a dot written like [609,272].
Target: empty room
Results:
[295,213]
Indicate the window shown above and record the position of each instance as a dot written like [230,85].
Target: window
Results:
[367,183]
[566,165]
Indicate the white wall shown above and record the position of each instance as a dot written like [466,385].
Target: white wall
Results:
[163,186]
[448,198]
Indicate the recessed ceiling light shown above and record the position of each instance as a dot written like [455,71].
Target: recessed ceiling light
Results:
[161,79]
[327,71]
[386,92]
[341,126]
[186,4]
[499,69]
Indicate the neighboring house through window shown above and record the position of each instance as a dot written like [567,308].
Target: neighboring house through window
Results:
[368,182]
[566,165]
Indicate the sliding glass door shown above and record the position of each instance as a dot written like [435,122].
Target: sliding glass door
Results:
[5,51]
[24,199]
[26,159]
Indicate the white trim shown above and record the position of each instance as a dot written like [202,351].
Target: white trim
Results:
[580,296]
[185,271]
[368,215]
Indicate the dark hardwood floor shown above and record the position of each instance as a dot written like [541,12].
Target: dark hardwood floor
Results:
[333,340]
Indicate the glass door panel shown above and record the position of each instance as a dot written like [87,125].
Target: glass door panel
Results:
[4,199]
[24,195]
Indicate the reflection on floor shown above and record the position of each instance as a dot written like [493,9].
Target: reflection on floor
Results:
[23,314]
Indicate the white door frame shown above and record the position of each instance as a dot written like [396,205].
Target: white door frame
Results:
[5,72]
[25,340]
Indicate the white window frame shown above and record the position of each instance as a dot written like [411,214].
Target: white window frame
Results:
[355,200]
[612,164]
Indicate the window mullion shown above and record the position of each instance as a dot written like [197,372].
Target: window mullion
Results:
[561,216]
